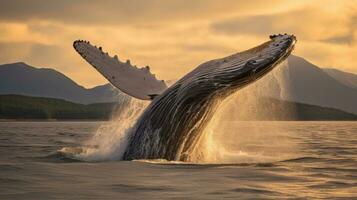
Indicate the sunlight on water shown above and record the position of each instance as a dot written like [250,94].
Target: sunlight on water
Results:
[250,141]
[325,171]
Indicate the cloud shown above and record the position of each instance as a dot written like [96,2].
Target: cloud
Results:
[205,47]
[36,53]
[172,36]
[13,51]
[345,39]
[308,23]
[114,12]
[349,37]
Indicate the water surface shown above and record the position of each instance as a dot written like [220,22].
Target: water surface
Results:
[279,160]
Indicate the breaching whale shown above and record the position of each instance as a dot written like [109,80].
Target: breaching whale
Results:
[172,125]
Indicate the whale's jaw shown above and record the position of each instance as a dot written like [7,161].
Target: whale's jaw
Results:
[171,126]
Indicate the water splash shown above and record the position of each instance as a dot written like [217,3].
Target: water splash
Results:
[236,135]
[110,140]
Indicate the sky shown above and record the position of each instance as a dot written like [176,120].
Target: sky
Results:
[172,36]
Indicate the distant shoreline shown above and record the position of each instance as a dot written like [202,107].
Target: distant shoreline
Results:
[27,108]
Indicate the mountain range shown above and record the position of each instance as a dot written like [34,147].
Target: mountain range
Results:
[297,80]
[300,81]
[346,78]
[310,84]
[23,79]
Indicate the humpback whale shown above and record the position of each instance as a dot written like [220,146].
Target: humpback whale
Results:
[172,125]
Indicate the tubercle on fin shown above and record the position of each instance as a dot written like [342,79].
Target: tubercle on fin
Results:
[115,57]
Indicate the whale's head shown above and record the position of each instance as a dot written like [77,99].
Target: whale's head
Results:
[268,55]
[243,68]
[223,76]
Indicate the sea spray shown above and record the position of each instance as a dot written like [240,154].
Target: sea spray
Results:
[110,140]
[235,134]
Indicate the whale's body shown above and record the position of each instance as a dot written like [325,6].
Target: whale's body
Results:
[172,125]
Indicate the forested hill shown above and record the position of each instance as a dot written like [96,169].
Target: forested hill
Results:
[27,108]
[18,107]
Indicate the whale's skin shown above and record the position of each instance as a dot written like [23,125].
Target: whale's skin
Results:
[171,126]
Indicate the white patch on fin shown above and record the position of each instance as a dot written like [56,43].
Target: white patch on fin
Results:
[136,82]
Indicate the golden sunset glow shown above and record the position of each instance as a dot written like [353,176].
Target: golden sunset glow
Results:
[174,36]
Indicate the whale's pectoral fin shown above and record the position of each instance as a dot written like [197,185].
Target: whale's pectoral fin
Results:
[136,82]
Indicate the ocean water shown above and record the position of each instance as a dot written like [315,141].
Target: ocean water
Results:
[250,160]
